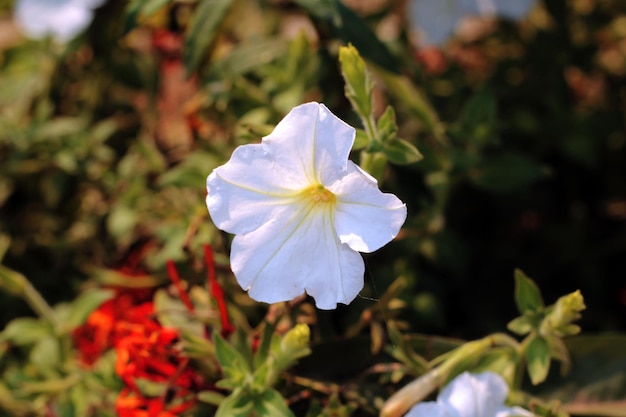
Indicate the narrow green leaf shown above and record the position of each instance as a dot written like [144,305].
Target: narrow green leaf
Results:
[12,282]
[401,152]
[417,102]
[538,359]
[527,294]
[25,331]
[141,9]
[211,397]
[351,28]
[387,128]
[203,29]
[263,349]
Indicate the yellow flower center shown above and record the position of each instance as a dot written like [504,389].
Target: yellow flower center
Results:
[319,195]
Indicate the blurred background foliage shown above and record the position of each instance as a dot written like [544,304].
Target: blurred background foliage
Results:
[106,142]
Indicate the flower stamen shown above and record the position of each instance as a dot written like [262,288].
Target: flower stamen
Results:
[318,194]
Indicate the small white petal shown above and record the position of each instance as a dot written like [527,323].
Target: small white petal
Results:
[431,409]
[64,19]
[475,395]
[243,194]
[312,142]
[365,218]
[294,252]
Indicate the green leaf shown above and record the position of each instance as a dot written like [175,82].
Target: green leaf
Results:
[417,102]
[478,118]
[202,31]
[211,397]
[272,404]
[138,10]
[361,140]
[246,56]
[234,365]
[237,404]
[537,355]
[46,353]
[401,152]
[24,331]
[505,172]
[520,325]
[263,349]
[12,282]
[387,128]
[122,219]
[359,86]
[597,379]
[351,28]
[527,294]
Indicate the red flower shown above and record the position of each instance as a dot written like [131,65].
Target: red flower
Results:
[110,322]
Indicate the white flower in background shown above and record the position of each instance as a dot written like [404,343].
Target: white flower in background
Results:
[436,20]
[63,19]
[467,395]
[300,210]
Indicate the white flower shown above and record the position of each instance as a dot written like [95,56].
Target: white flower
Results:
[438,19]
[480,395]
[300,211]
[63,19]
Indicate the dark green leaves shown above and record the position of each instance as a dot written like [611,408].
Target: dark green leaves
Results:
[506,171]
[204,26]
[138,10]
[251,375]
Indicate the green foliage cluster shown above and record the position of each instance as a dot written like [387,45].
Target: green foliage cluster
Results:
[508,149]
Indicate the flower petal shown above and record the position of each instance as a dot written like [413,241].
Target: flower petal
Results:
[475,395]
[244,193]
[62,18]
[312,142]
[431,409]
[436,20]
[297,251]
[365,217]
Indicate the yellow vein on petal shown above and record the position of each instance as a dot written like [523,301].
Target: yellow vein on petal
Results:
[288,194]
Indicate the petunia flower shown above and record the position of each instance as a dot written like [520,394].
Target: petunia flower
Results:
[301,211]
[468,395]
[63,19]
[436,20]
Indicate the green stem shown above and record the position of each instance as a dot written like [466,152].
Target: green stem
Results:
[38,304]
